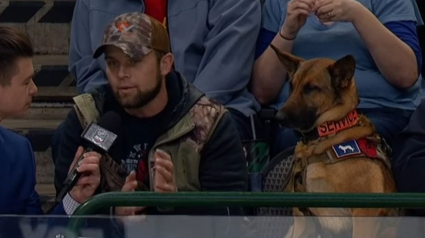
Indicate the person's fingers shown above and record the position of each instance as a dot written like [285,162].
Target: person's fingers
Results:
[321,3]
[88,180]
[165,173]
[162,154]
[295,5]
[78,154]
[89,160]
[93,154]
[130,183]
[93,160]
[324,10]
[92,169]
[310,3]
[166,164]
[161,187]
[299,12]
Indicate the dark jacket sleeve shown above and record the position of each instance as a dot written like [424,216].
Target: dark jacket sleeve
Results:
[409,154]
[223,163]
[70,141]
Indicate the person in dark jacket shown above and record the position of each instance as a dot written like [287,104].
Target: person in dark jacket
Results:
[409,156]
[173,137]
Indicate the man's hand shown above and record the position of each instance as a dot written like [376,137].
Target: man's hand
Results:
[90,175]
[129,186]
[164,172]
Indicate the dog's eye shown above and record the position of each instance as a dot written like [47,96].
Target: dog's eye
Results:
[310,88]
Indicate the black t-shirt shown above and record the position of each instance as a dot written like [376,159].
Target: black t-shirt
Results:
[140,134]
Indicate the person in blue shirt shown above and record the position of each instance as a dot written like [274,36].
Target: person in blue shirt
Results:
[17,163]
[382,37]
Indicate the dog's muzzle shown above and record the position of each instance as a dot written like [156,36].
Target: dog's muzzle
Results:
[282,118]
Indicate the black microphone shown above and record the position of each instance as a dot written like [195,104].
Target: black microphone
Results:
[96,137]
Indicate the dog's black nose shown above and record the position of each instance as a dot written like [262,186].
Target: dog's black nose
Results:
[282,117]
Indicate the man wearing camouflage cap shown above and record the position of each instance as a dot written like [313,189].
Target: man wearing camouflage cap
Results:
[213,43]
[173,137]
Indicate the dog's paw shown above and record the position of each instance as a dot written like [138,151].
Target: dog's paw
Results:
[290,232]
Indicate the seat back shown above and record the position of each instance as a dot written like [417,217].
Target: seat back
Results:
[274,222]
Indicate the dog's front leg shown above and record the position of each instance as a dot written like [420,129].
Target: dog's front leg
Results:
[303,226]
[366,223]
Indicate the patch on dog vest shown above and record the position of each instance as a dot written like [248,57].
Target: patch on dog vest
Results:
[347,148]
[367,147]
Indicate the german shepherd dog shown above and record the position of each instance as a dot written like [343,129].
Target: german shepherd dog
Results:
[340,152]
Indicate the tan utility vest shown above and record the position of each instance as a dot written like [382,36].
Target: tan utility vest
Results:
[184,142]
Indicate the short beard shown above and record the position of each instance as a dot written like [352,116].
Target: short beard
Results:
[141,99]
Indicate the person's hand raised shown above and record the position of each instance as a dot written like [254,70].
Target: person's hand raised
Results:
[296,16]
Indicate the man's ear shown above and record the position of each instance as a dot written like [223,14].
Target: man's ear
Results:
[342,71]
[290,61]
[166,63]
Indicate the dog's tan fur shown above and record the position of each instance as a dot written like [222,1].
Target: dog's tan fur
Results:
[326,90]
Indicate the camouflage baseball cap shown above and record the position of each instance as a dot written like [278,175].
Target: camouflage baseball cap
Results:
[136,34]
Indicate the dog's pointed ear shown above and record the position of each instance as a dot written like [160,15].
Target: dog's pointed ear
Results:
[342,71]
[290,62]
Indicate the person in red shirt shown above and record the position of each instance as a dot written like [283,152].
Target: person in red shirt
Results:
[157,9]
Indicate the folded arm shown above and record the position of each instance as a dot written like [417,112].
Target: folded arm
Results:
[399,64]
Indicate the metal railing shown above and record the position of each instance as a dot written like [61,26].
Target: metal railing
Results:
[242,199]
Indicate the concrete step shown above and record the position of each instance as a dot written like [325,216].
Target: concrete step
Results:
[46,22]
[47,11]
[38,131]
[55,96]
[52,71]
[45,179]
[47,112]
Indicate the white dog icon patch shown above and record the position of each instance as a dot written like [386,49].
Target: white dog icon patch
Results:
[346,148]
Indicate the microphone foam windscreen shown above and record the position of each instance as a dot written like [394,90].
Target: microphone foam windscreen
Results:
[110,121]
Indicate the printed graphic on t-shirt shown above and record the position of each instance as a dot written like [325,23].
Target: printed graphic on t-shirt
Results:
[137,160]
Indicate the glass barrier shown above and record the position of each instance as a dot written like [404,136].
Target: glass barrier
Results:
[168,226]
[245,199]
[275,219]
